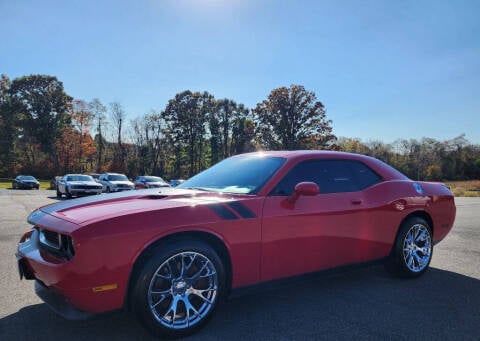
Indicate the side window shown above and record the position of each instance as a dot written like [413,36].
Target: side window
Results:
[363,176]
[331,176]
[102,177]
[304,171]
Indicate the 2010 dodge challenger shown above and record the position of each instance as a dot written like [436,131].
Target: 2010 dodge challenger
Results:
[170,255]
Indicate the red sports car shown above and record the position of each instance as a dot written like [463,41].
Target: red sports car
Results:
[170,255]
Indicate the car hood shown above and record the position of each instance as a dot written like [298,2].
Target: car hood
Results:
[88,210]
[157,183]
[121,183]
[29,181]
[83,183]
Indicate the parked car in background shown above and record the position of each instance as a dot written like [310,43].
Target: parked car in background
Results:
[170,257]
[146,181]
[25,182]
[53,182]
[176,182]
[95,176]
[115,182]
[76,185]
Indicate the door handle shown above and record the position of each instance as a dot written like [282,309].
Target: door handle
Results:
[357,201]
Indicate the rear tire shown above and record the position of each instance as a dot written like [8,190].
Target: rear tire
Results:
[171,302]
[413,249]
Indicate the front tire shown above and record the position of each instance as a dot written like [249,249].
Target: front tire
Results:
[178,288]
[59,194]
[413,249]
[67,193]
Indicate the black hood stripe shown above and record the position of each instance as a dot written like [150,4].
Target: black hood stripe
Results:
[222,211]
[241,209]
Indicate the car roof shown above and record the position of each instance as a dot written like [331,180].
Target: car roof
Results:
[300,153]
[386,171]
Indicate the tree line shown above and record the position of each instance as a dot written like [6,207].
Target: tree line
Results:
[46,132]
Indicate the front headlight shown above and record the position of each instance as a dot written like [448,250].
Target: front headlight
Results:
[58,244]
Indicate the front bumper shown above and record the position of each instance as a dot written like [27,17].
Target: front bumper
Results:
[67,286]
[76,192]
[59,304]
[54,300]
[28,185]
[121,189]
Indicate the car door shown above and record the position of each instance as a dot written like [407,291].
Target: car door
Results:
[316,232]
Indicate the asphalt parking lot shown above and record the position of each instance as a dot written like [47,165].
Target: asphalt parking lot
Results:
[362,303]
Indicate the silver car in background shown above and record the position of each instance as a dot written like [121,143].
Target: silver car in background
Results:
[115,182]
[77,184]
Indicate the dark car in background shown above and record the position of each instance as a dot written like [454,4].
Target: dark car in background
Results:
[176,182]
[25,182]
[53,182]
[146,181]
[95,176]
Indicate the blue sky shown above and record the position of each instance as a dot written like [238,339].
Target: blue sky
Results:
[383,69]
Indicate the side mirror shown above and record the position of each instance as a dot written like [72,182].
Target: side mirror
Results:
[303,188]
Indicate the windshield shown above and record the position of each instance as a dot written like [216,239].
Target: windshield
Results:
[79,178]
[240,175]
[153,179]
[27,177]
[118,177]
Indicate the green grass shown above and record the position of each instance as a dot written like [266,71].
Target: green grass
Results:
[44,184]
[470,188]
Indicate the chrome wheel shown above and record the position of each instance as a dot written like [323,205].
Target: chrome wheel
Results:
[183,290]
[417,248]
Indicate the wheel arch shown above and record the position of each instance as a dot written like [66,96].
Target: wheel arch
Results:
[419,214]
[209,238]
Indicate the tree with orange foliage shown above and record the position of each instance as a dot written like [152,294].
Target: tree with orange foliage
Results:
[82,117]
[76,146]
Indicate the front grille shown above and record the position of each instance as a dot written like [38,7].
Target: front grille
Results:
[57,244]
[123,186]
[85,187]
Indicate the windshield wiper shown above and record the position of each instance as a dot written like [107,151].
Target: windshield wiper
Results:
[199,189]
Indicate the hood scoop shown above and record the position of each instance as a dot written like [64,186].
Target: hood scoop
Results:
[154,197]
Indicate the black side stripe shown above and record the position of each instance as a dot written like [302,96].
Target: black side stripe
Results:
[222,211]
[241,209]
